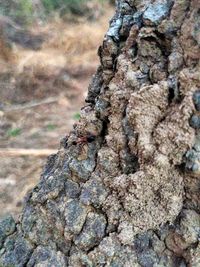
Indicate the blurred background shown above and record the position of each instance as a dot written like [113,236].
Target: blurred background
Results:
[48,53]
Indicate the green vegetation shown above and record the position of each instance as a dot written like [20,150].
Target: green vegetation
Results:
[77,7]
[51,127]
[50,5]
[25,11]
[13,132]
[76,116]
[20,11]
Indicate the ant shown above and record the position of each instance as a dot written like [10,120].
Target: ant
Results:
[89,138]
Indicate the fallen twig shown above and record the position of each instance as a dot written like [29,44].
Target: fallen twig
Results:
[14,152]
[31,104]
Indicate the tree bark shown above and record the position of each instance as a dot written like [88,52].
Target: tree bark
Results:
[123,189]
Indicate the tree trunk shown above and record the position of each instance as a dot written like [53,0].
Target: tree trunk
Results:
[123,190]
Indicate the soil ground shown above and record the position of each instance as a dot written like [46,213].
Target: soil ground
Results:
[41,92]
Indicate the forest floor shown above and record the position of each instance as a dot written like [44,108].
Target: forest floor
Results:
[41,92]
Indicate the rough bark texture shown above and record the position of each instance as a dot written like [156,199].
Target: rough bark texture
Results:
[130,195]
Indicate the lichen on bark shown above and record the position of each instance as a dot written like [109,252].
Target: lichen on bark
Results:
[130,196]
